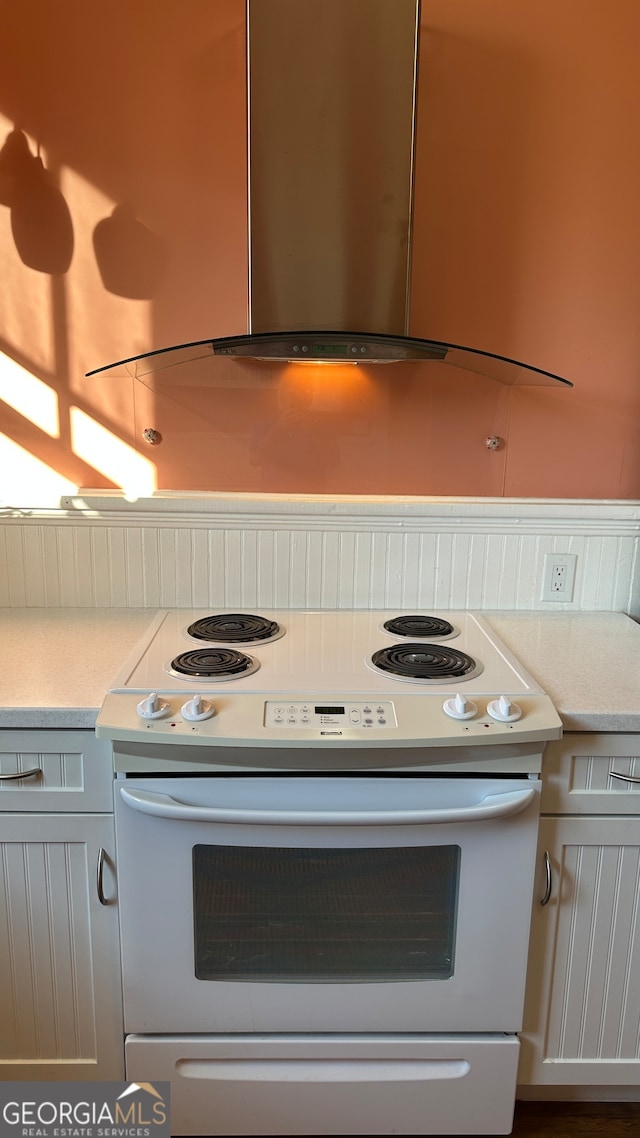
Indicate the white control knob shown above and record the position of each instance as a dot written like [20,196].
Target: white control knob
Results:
[504,710]
[196,709]
[460,707]
[152,707]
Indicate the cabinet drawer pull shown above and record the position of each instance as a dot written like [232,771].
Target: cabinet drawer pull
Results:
[547,869]
[20,774]
[99,877]
[624,777]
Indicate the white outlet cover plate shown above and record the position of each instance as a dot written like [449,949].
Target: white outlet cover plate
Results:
[564,596]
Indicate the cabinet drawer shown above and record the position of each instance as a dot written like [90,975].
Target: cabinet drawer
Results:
[592,774]
[72,771]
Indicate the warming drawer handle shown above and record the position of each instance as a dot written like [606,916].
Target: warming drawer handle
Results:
[164,806]
[323,1070]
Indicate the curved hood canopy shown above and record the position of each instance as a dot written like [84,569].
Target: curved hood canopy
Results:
[333,347]
[331,142]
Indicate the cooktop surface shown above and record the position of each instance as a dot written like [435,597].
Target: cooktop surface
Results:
[325,651]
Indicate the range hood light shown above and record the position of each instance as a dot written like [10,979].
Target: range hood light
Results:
[312,363]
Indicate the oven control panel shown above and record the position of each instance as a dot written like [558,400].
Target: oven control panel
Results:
[329,716]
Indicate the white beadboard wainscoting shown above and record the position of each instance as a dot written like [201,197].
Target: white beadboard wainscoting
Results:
[239,551]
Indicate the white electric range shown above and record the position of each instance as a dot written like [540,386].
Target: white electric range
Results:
[326,830]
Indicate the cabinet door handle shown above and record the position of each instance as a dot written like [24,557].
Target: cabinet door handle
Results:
[100,876]
[624,777]
[21,774]
[544,900]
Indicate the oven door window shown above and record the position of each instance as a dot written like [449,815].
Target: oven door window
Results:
[325,914]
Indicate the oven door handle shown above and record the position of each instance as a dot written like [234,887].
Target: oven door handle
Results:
[164,806]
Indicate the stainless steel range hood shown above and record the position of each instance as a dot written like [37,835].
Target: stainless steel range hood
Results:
[332,107]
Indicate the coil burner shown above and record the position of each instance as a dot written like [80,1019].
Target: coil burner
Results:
[420,627]
[427,664]
[212,664]
[235,628]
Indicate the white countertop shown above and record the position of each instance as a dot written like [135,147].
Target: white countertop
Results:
[58,663]
[588,663]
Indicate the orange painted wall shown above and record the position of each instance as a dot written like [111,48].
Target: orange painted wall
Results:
[528,226]
[526,243]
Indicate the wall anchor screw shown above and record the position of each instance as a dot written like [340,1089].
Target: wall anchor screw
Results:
[151,436]
[493,442]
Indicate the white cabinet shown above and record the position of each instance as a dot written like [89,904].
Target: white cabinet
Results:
[582,1014]
[60,989]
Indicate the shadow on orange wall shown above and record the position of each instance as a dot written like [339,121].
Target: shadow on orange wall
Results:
[40,220]
[130,258]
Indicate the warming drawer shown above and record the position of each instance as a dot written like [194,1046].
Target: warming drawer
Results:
[332,1084]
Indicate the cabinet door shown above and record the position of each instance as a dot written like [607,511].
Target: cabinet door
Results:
[60,992]
[582,1014]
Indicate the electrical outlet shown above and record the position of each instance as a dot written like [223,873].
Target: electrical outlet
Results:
[558,576]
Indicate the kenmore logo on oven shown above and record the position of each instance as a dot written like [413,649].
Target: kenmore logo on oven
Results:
[331,732]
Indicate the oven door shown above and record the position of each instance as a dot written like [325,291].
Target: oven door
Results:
[325,903]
